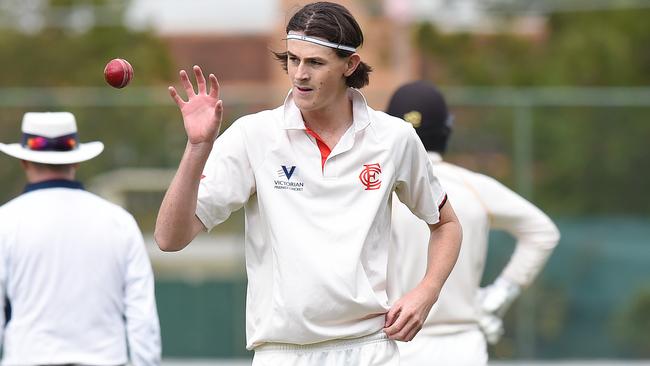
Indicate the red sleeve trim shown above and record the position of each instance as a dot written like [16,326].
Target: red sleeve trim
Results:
[444,200]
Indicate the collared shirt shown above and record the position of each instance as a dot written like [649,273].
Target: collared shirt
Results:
[481,204]
[317,229]
[76,272]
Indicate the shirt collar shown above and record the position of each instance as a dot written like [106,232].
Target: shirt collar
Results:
[53,183]
[292,118]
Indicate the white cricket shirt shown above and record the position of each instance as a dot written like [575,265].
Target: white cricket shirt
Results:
[317,230]
[481,203]
[79,281]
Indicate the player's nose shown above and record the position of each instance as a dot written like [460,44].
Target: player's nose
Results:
[301,72]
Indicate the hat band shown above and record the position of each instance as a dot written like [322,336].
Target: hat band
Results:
[40,143]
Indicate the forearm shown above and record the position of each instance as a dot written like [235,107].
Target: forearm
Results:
[527,261]
[176,223]
[537,237]
[406,317]
[444,246]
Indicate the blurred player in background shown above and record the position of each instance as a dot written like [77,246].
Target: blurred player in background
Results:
[316,177]
[72,265]
[465,316]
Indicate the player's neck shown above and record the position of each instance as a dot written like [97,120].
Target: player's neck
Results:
[331,122]
[330,130]
[44,176]
[34,175]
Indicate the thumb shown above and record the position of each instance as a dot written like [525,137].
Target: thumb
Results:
[218,111]
[392,314]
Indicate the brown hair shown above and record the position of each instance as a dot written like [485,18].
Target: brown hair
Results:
[333,23]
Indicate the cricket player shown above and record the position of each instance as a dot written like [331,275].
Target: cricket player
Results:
[316,177]
[465,317]
[72,265]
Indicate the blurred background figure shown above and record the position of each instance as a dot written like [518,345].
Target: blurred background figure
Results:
[73,266]
[465,316]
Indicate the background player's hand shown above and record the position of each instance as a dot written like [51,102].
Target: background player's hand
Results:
[406,317]
[491,326]
[494,300]
[497,297]
[203,111]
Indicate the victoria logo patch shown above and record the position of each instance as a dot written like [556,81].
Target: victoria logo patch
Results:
[287,171]
[284,180]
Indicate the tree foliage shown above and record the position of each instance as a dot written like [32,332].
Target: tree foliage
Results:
[63,57]
[587,159]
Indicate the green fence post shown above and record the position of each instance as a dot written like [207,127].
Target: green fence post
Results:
[523,160]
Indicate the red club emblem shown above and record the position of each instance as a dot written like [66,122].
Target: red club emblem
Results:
[370,176]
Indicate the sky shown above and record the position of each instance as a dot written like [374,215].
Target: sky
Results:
[205,16]
[260,16]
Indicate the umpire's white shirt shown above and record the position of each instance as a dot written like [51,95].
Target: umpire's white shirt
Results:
[75,269]
[481,203]
[317,235]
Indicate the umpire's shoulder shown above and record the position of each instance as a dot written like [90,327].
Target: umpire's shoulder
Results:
[110,211]
[8,211]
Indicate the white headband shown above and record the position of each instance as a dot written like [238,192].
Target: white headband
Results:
[320,42]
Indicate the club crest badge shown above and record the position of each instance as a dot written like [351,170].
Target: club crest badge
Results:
[370,176]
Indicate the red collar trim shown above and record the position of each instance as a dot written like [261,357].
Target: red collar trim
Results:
[322,146]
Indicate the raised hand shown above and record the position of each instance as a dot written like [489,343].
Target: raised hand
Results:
[203,111]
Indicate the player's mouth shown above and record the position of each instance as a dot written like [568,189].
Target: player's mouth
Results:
[303,89]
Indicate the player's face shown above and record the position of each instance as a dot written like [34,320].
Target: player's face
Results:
[317,75]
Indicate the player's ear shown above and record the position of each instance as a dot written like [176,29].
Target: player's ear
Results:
[352,63]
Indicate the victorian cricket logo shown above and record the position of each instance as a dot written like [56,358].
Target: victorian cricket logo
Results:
[284,179]
[369,176]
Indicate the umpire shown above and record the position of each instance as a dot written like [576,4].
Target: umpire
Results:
[72,265]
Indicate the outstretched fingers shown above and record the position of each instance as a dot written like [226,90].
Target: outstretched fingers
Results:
[200,79]
[214,86]
[187,84]
[177,98]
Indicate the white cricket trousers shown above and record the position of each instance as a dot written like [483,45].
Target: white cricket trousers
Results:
[459,349]
[372,350]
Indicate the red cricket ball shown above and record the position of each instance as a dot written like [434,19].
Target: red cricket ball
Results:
[118,73]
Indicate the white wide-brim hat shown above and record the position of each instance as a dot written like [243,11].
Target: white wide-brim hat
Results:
[51,138]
